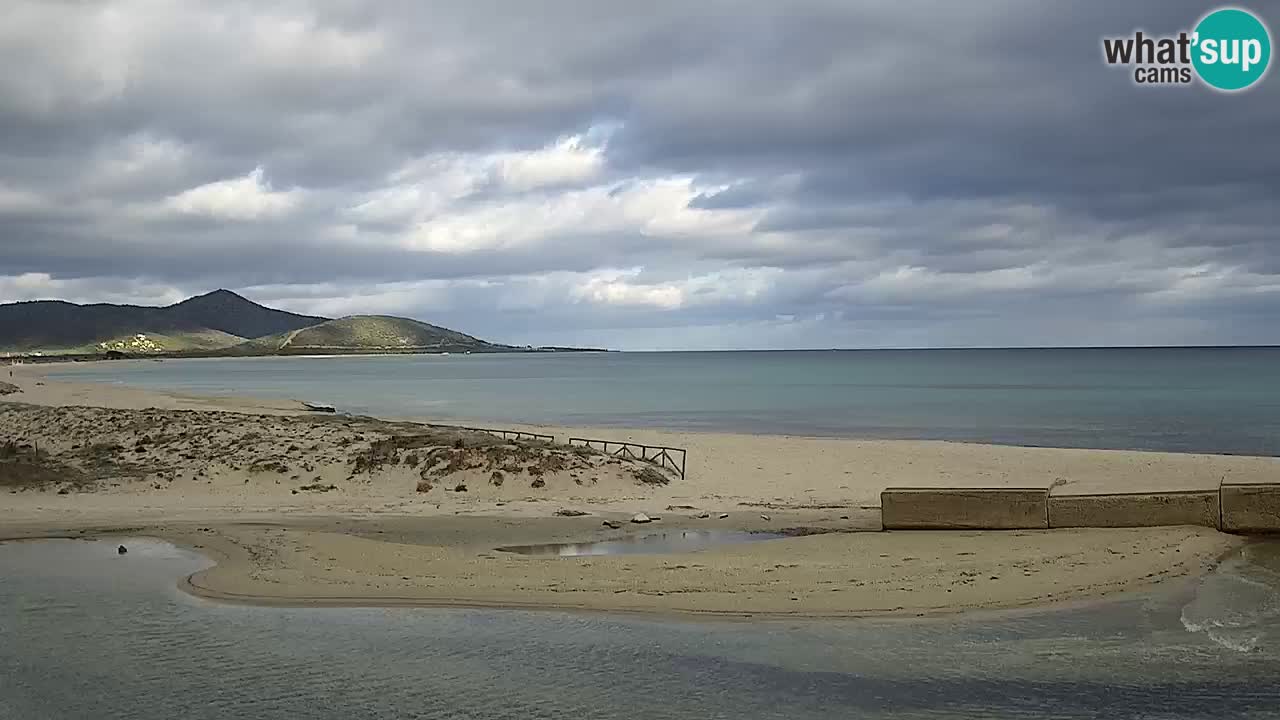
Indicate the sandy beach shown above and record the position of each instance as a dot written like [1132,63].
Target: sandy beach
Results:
[300,507]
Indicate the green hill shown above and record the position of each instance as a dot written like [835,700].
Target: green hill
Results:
[161,342]
[369,333]
[219,319]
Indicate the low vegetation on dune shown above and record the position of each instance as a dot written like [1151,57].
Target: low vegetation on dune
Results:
[81,448]
[81,466]
[436,456]
[23,466]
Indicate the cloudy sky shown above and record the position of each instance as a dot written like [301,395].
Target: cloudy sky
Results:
[643,175]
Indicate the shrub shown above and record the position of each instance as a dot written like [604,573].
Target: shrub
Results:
[650,476]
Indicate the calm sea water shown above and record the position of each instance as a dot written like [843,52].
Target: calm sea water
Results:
[85,633]
[1220,400]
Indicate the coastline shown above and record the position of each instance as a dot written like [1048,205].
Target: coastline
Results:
[1204,558]
[377,542]
[887,582]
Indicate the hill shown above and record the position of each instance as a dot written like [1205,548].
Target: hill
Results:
[230,313]
[214,320]
[370,333]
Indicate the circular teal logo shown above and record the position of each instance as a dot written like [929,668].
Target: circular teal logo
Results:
[1231,49]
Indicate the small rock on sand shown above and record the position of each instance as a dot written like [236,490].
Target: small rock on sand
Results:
[704,515]
[611,524]
[724,516]
[765,517]
[122,550]
[641,518]
[571,513]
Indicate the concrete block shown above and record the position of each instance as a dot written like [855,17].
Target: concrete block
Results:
[964,508]
[1148,509]
[1251,508]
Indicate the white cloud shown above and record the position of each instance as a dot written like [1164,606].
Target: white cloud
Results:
[1187,286]
[909,284]
[422,188]
[43,286]
[657,208]
[629,288]
[458,203]
[618,289]
[568,161]
[245,198]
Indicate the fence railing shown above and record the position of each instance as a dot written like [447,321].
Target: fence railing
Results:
[660,455]
[504,434]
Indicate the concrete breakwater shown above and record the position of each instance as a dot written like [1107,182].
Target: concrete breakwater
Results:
[1245,507]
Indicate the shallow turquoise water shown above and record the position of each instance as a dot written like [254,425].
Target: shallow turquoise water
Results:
[1220,400]
[85,633]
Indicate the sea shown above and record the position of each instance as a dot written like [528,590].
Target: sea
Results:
[86,633]
[1210,400]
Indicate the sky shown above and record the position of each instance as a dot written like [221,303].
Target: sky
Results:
[643,175]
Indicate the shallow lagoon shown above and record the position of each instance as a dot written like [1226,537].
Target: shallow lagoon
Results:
[87,633]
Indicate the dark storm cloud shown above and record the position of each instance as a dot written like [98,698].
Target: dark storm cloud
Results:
[813,173]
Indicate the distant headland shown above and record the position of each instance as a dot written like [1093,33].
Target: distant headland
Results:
[218,324]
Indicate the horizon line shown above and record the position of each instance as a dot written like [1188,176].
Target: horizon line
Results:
[966,347]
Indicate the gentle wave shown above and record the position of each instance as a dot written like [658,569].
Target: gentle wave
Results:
[1238,606]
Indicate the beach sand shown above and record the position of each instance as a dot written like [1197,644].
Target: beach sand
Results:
[303,508]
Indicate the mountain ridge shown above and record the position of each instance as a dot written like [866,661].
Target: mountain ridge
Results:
[213,320]
[220,323]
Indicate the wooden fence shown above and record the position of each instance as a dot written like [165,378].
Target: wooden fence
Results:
[658,454]
[504,434]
